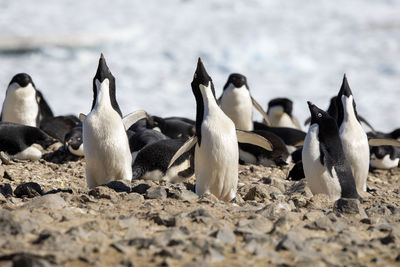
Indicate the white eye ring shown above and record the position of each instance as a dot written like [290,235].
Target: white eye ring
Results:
[319,115]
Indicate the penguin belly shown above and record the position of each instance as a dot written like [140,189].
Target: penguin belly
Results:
[20,106]
[384,163]
[107,153]
[317,176]
[216,159]
[237,105]
[356,149]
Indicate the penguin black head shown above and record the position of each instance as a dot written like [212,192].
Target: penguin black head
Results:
[321,117]
[200,77]
[237,79]
[344,91]
[22,79]
[285,103]
[103,72]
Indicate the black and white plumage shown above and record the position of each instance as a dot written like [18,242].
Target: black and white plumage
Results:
[59,126]
[280,113]
[386,156]
[105,141]
[23,103]
[22,141]
[325,166]
[152,161]
[73,141]
[353,137]
[174,127]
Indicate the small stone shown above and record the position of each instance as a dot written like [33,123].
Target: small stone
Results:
[118,186]
[187,195]
[225,236]
[25,260]
[313,215]
[387,239]
[274,210]
[156,192]
[102,192]
[6,190]
[349,206]
[322,223]
[164,219]
[8,224]
[208,198]
[141,188]
[30,189]
[52,201]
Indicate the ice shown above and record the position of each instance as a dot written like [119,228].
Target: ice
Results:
[295,49]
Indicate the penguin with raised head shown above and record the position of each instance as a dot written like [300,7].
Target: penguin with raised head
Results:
[216,151]
[353,137]
[280,113]
[22,141]
[237,103]
[21,104]
[325,166]
[105,141]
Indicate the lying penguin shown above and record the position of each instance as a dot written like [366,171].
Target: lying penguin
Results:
[383,157]
[23,142]
[216,151]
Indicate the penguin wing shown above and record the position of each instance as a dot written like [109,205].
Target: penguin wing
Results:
[254,139]
[262,112]
[45,110]
[325,159]
[383,142]
[185,147]
[366,123]
[133,117]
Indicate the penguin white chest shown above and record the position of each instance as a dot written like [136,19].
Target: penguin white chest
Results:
[237,104]
[20,105]
[317,176]
[216,159]
[106,146]
[279,118]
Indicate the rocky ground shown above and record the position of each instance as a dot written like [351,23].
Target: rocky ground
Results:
[49,217]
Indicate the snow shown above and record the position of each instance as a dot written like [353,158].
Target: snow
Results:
[295,49]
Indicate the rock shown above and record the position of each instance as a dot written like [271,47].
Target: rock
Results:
[314,215]
[156,192]
[274,210]
[103,192]
[378,210]
[322,223]
[30,189]
[164,219]
[208,198]
[8,224]
[26,260]
[291,241]
[388,239]
[59,190]
[256,193]
[125,263]
[6,190]
[349,206]
[52,201]
[135,197]
[118,186]
[225,236]
[187,195]
[141,188]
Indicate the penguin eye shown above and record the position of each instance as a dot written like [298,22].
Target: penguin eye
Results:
[319,115]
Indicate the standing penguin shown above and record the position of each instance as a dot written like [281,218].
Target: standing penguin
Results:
[216,152]
[237,102]
[21,102]
[325,166]
[105,141]
[280,113]
[354,139]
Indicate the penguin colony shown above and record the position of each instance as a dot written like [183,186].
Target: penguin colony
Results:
[333,156]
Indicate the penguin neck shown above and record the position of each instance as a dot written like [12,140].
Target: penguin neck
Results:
[209,102]
[103,96]
[349,113]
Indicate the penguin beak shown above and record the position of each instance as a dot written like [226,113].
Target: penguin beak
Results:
[314,110]
[237,80]
[103,72]
[345,88]
[201,76]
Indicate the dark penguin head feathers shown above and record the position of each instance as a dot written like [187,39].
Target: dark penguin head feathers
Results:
[344,91]
[283,102]
[238,80]
[322,118]
[103,72]
[200,77]
[22,79]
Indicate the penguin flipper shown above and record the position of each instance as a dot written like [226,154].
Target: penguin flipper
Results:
[262,112]
[133,117]
[366,123]
[383,142]
[325,158]
[185,147]
[253,139]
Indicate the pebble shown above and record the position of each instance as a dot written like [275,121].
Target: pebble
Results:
[6,190]
[349,206]
[30,190]
[156,192]
[52,201]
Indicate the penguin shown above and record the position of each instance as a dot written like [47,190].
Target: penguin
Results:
[386,156]
[216,153]
[237,103]
[325,166]
[152,161]
[141,138]
[280,113]
[353,137]
[174,127]
[73,141]
[57,127]
[105,142]
[256,155]
[23,142]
